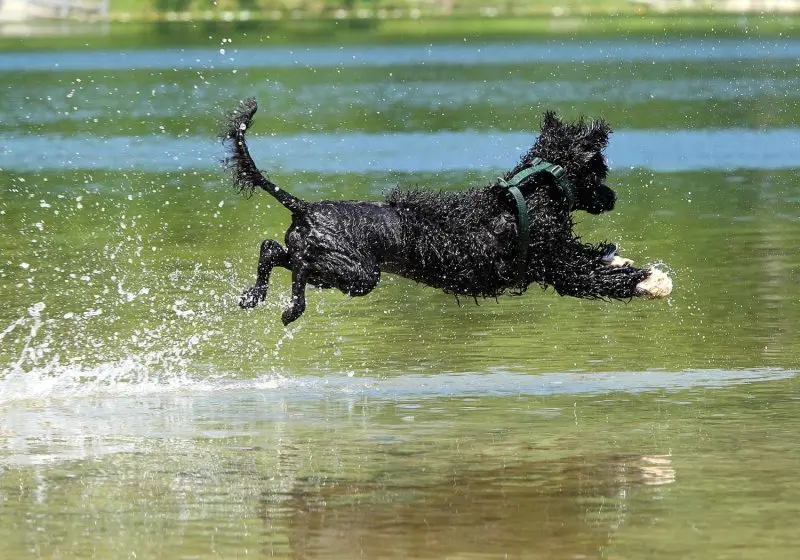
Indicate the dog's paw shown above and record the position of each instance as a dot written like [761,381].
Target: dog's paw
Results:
[252,297]
[618,261]
[656,286]
[293,312]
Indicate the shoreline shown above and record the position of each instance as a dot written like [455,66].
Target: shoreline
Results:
[50,34]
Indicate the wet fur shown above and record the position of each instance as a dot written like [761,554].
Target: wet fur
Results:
[463,242]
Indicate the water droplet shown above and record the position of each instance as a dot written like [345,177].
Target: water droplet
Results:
[36,309]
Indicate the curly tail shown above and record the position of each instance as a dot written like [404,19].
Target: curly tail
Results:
[245,174]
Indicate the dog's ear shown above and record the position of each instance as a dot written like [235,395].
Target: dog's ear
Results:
[550,121]
[595,136]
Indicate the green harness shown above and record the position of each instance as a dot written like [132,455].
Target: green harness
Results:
[537,166]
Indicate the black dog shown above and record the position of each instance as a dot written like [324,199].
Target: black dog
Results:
[480,242]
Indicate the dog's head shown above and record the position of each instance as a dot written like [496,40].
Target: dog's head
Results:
[578,148]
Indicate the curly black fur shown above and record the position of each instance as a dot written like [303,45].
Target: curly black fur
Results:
[464,243]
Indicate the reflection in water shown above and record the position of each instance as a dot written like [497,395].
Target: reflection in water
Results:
[558,508]
[550,509]
[657,470]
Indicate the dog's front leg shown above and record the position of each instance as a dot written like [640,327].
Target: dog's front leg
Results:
[586,271]
[300,274]
[270,256]
[656,285]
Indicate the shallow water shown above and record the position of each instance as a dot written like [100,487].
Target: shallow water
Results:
[143,414]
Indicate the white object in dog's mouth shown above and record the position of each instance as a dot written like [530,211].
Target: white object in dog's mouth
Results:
[656,286]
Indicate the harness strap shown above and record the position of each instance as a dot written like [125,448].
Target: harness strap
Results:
[537,167]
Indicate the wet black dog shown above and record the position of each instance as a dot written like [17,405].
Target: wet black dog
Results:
[480,242]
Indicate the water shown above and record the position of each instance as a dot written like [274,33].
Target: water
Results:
[571,52]
[422,152]
[143,414]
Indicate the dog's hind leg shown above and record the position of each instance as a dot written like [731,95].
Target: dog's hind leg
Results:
[300,274]
[271,255]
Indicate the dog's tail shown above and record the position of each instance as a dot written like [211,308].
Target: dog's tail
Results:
[246,176]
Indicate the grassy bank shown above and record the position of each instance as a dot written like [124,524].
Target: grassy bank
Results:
[253,31]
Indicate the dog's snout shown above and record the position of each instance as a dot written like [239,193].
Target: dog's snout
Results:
[601,199]
[612,196]
[607,198]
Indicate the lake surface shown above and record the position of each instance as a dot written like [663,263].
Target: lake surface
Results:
[143,414]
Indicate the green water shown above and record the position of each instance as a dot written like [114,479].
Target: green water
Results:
[143,414]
